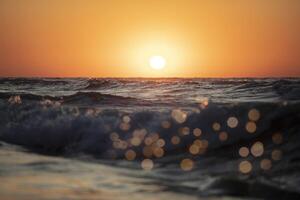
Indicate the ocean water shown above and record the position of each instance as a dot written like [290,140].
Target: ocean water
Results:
[80,138]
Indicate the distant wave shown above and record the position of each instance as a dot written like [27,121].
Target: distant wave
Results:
[286,89]
[100,83]
[31,81]
[80,98]
[183,91]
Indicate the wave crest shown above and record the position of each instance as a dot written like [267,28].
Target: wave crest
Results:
[60,129]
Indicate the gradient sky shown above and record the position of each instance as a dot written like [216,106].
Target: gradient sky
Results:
[115,38]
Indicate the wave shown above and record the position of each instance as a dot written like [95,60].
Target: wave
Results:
[180,90]
[79,98]
[250,188]
[100,83]
[241,139]
[33,81]
[73,130]
[284,89]
[210,138]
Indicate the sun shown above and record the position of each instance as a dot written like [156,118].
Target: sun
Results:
[157,62]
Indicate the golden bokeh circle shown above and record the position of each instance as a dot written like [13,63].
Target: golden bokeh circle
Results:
[245,167]
[257,149]
[197,132]
[253,114]
[187,164]
[244,152]
[175,140]
[130,154]
[251,127]
[223,136]
[216,126]
[147,164]
[265,164]
[232,122]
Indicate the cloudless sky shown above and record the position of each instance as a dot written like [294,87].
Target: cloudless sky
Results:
[115,38]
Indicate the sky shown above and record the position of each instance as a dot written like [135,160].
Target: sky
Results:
[116,38]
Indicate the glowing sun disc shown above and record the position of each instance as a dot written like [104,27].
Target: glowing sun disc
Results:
[157,62]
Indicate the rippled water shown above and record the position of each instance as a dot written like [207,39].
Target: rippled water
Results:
[149,138]
[154,91]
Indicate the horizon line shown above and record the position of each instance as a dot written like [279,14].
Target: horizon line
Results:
[162,77]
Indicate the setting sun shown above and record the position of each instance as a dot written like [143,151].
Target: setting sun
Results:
[157,62]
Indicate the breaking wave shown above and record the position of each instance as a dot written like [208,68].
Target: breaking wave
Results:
[54,128]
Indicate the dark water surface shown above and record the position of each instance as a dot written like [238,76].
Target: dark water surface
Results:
[149,138]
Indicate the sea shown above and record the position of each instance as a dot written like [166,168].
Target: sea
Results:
[149,138]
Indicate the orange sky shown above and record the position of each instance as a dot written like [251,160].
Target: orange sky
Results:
[115,38]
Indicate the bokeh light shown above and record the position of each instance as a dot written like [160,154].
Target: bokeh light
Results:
[245,167]
[194,149]
[244,152]
[223,136]
[147,164]
[130,154]
[123,144]
[216,126]
[175,140]
[232,122]
[257,149]
[124,126]
[153,137]
[187,164]
[202,144]
[147,151]
[139,133]
[158,152]
[251,127]
[15,99]
[184,131]
[135,141]
[276,154]
[253,114]
[165,124]
[154,143]
[265,164]
[114,136]
[197,132]
[203,103]
[160,142]
[148,141]
[179,116]
[126,119]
